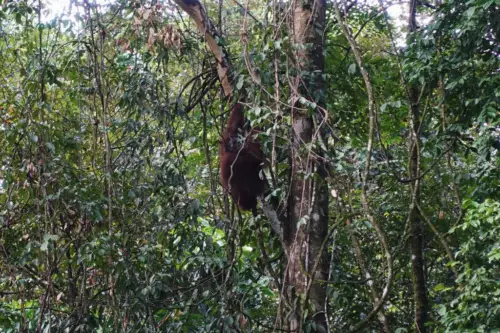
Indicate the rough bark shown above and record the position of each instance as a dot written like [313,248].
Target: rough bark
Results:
[416,229]
[306,231]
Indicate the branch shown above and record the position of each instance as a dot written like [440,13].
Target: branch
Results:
[197,12]
[366,207]
[272,216]
[207,28]
[368,276]
[441,238]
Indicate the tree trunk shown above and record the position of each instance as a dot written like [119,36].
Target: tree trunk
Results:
[306,231]
[416,229]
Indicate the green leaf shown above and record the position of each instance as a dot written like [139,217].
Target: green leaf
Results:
[50,147]
[470,12]
[451,85]
[352,68]
[241,80]
[247,248]
[439,287]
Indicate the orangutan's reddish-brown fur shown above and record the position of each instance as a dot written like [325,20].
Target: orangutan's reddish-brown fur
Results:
[241,160]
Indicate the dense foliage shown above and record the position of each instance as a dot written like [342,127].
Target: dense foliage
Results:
[112,218]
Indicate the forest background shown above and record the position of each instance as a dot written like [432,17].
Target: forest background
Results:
[381,138]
